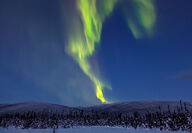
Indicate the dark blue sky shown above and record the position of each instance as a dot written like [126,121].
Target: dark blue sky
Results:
[35,67]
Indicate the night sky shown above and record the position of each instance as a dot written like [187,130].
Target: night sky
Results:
[34,65]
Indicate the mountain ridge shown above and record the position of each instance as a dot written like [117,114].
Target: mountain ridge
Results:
[141,107]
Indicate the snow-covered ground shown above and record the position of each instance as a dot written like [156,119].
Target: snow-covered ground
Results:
[86,130]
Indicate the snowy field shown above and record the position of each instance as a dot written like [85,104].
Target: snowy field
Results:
[86,130]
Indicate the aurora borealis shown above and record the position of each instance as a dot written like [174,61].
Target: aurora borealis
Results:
[83,46]
[85,52]
[83,40]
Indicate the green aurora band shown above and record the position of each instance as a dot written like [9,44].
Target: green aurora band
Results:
[83,41]
[142,22]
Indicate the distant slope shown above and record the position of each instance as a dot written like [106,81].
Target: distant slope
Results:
[142,107]
[35,107]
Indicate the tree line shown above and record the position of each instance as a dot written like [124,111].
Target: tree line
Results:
[179,119]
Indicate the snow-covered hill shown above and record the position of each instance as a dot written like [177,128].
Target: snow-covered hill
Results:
[142,107]
[35,107]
